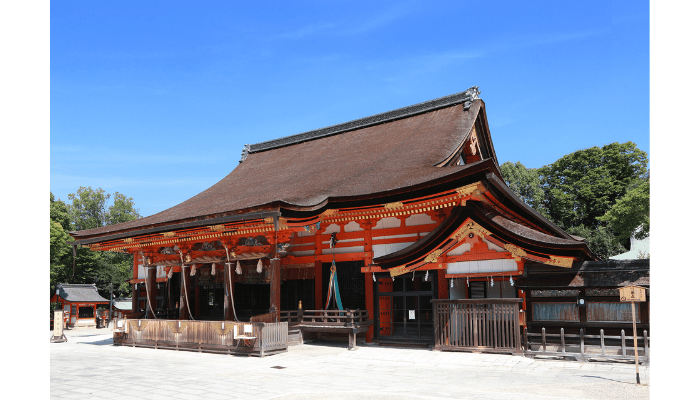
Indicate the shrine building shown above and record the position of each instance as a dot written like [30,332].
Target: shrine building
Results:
[386,214]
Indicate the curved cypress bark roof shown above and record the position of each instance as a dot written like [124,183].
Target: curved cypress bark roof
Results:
[386,152]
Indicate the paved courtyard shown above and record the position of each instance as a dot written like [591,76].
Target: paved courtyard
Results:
[88,366]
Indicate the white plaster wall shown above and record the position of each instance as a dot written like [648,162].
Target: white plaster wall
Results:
[466,267]
[332,228]
[389,222]
[461,249]
[384,249]
[419,219]
[353,226]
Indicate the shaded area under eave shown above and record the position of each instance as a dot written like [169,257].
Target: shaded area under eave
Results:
[530,240]
[385,157]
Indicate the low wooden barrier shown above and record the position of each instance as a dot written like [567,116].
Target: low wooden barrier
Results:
[268,317]
[351,322]
[585,347]
[251,338]
[491,325]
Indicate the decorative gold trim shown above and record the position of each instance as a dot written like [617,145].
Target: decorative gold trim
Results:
[470,227]
[396,271]
[129,240]
[269,220]
[432,257]
[515,250]
[476,189]
[283,223]
[217,228]
[565,262]
[394,205]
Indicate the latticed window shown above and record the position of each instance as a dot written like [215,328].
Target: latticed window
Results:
[555,311]
[611,312]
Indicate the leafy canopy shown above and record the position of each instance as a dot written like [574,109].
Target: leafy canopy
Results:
[89,208]
[600,194]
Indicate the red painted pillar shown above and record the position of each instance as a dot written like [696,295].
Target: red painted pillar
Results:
[443,288]
[369,303]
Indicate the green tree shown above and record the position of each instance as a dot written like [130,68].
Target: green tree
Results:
[59,213]
[629,216]
[584,185]
[525,182]
[600,240]
[58,250]
[88,208]
[122,209]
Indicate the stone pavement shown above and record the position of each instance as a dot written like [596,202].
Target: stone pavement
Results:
[88,366]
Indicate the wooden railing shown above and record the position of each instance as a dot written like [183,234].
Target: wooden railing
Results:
[581,346]
[255,338]
[267,317]
[477,325]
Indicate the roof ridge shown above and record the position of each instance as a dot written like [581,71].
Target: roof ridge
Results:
[466,97]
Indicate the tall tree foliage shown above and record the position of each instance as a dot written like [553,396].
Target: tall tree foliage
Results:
[600,194]
[87,209]
[582,186]
[525,182]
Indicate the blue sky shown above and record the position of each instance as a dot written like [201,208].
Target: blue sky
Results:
[157,99]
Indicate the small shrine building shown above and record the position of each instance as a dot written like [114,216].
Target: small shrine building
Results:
[408,205]
[80,302]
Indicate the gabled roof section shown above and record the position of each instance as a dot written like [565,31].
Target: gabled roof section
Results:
[80,293]
[466,98]
[388,152]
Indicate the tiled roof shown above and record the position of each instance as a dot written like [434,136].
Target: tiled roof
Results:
[394,151]
[80,293]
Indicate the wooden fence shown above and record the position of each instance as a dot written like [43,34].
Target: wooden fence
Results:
[252,338]
[584,347]
[491,325]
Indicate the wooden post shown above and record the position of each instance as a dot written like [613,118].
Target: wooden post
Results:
[634,335]
[275,282]
[544,341]
[563,342]
[624,344]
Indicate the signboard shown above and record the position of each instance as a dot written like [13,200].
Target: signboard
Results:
[58,335]
[633,293]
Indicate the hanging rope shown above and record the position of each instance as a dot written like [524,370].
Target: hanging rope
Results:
[184,283]
[148,292]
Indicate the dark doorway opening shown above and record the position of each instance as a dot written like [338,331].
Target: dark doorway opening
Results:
[295,290]
[251,299]
[351,284]
[403,309]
